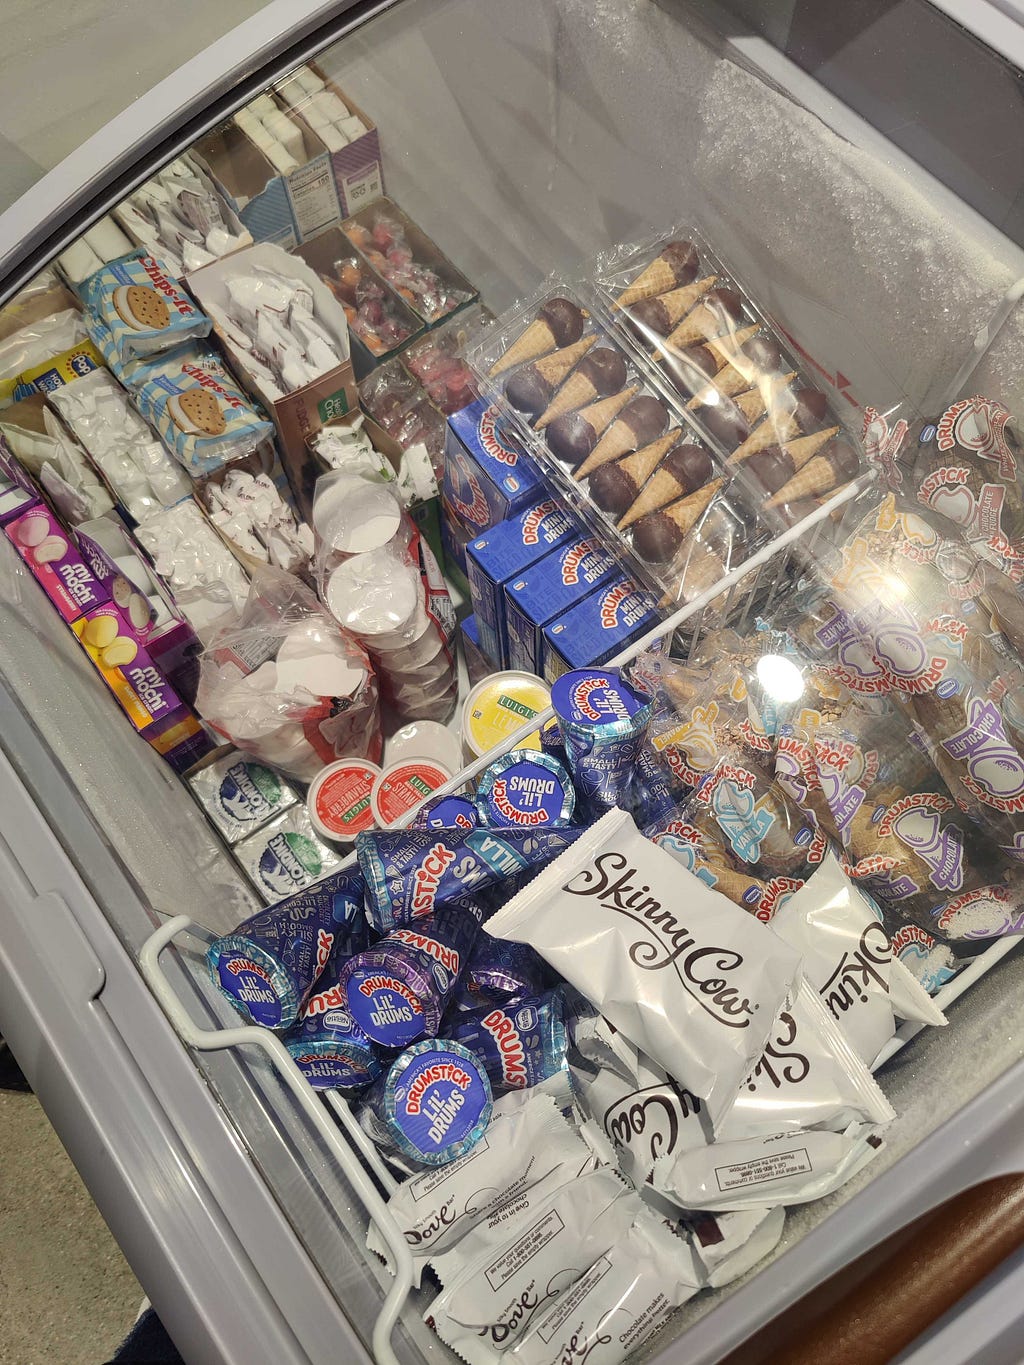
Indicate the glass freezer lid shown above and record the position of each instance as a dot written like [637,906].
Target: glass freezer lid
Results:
[521,140]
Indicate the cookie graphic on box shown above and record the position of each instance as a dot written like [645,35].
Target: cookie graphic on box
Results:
[141,308]
[197,412]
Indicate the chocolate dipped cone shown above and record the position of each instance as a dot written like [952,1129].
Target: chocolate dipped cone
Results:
[600,374]
[756,401]
[661,313]
[717,313]
[573,436]
[836,465]
[776,429]
[554,367]
[684,470]
[640,422]
[658,536]
[677,264]
[559,322]
[726,349]
[804,448]
[737,373]
[614,487]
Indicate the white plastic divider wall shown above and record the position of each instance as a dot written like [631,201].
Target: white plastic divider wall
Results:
[760,577]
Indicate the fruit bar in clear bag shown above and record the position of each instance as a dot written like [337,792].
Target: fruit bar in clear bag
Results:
[735,374]
[373,312]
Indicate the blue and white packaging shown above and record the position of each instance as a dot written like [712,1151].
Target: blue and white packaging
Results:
[498,558]
[488,477]
[596,629]
[548,588]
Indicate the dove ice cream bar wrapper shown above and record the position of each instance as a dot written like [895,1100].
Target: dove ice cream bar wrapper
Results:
[269,965]
[398,990]
[760,1172]
[240,795]
[520,1044]
[521,1147]
[688,977]
[411,872]
[619,1302]
[431,1106]
[142,306]
[525,789]
[729,1244]
[602,722]
[507,1271]
[285,856]
[52,558]
[203,418]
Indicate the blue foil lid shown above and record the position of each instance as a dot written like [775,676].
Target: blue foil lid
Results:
[332,1051]
[437,1101]
[526,789]
[592,698]
[447,812]
[255,982]
[388,1009]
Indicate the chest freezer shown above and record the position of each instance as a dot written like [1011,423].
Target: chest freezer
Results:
[881,233]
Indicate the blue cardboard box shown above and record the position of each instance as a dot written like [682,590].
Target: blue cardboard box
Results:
[596,629]
[500,556]
[548,588]
[488,477]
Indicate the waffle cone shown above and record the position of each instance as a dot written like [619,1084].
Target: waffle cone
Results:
[678,302]
[756,401]
[653,279]
[554,367]
[775,430]
[659,490]
[726,348]
[605,410]
[574,393]
[615,442]
[728,381]
[817,476]
[805,448]
[537,340]
[642,467]
[689,510]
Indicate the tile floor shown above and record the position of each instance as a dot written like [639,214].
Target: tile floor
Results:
[67,1295]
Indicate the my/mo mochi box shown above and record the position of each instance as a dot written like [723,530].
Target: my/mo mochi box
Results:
[495,559]
[549,587]
[596,629]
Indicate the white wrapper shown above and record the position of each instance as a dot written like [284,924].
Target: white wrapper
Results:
[693,980]
[848,959]
[619,1303]
[729,1244]
[437,1208]
[759,1172]
[494,1290]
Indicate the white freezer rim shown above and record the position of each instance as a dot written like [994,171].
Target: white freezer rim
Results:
[349,1145]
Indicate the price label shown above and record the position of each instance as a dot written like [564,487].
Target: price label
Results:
[363,187]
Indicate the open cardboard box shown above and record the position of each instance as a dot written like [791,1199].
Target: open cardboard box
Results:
[357,167]
[321,253]
[274,208]
[20,377]
[304,411]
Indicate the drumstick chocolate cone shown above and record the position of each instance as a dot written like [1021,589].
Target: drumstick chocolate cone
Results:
[780,427]
[677,264]
[718,311]
[837,464]
[529,389]
[683,470]
[614,486]
[642,420]
[660,313]
[658,536]
[603,372]
[559,322]
[757,355]
[757,400]
[573,436]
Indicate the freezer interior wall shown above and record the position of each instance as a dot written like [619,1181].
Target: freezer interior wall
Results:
[523,137]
